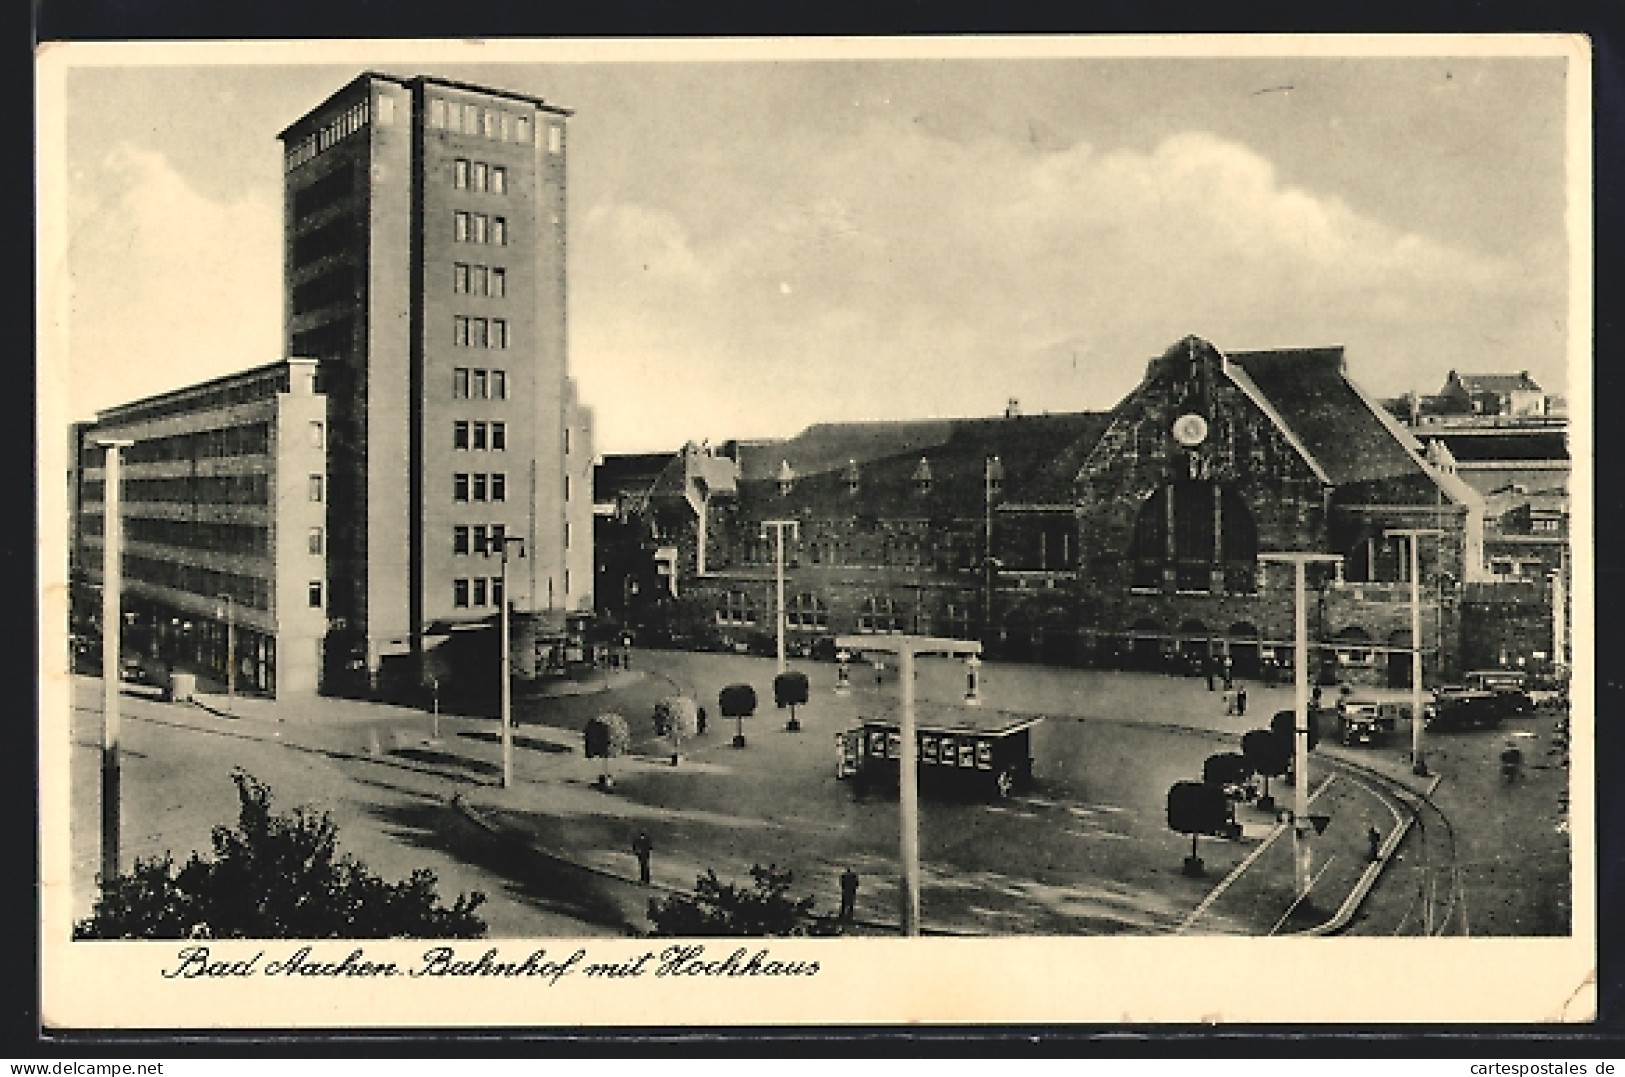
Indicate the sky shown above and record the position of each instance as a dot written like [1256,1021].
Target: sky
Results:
[755,246]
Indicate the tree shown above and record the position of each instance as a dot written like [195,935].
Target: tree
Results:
[763,909]
[737,701]
[791,689]
[1196,808]
[274,876]
[1268,754]
[607,737]
[1284,724]
[1226,768]
[679,716]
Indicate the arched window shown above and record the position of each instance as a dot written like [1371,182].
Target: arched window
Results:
[736,609]
[879,615]
[806,610]
[1193,527]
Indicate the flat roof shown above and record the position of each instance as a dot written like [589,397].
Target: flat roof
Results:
[956,718]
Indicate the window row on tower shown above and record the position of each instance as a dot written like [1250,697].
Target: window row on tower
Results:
[477,384]
[470,279]
[478,538]
[479,176]
[479,228]
[491,123]
[479,332]
[479,486]
[479,436]
[473,592]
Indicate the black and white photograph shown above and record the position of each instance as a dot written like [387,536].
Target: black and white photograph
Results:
[874,530]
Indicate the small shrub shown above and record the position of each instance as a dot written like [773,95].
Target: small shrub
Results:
[764,909]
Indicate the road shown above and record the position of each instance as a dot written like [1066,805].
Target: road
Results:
[1086,852]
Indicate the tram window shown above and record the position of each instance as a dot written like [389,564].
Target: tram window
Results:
[984,755]
[894,746]
[877,745]
[967,754]
[928,749]
[945,754]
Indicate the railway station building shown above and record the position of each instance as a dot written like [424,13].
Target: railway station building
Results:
[1130,538]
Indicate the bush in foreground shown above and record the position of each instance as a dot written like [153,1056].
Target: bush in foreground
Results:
[274,876]
[763,909]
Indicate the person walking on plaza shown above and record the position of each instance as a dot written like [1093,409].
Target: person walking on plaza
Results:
[1229,673]
[642,847]
[1229,703]
[1241,700]
[1207,668]
[849,895]
[1374,837]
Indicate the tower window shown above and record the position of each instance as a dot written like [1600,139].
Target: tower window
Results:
[479,435]
[478,178]
[459,173]
[459,383]
[499,384]
[499,487]
[459,435]
[499,231]
[314,594]
[459,593]
[460,278]
[479,487]
[459,539]
[499,283]
[460,229]
[499,175]
[459,486]
[499,437]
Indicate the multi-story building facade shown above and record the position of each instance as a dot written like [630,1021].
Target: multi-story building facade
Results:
[225,509]
[1128,538]
[425,271]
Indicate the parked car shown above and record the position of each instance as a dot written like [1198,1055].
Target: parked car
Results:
[1364,721]
[1506,685]
[1458,707]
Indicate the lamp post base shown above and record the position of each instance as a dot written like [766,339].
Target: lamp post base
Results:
[739,740]
[1193,867]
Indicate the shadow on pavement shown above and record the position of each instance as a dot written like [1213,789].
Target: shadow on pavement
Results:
[531,875]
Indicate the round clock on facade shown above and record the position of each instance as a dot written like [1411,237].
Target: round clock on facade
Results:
[1190,430]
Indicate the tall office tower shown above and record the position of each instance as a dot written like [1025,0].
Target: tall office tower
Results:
[424,256]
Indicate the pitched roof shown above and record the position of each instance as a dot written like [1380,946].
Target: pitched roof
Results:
[1343,433]
[1498,383]
[829,446]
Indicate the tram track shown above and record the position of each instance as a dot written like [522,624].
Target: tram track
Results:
[1420,854]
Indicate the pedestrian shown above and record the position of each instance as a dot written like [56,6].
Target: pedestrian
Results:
[1314,698]
[699,721]
[1229,702]
[642,847]
[1373,837]
[1241,700]
[1511,762]
[1229,673]
[849,895]
[1207,668]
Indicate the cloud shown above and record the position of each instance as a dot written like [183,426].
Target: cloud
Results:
[168,286]
[930,274]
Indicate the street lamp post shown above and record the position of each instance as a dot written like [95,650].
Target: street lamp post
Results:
[1413,536]
[778,527]
[908,792]
[507,686]
[231,654]
[1300,747]
[112,631]
[992,477]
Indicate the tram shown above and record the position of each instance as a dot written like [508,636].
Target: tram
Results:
[960,751]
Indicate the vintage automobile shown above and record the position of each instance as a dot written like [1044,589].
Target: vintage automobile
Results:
[1508,686]
[1457,707]
[960,750]
[1364,721]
